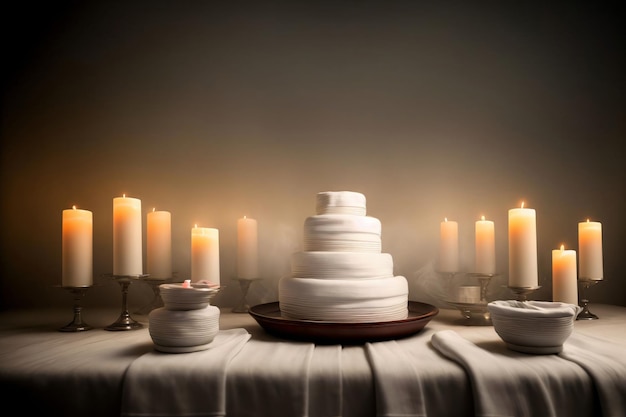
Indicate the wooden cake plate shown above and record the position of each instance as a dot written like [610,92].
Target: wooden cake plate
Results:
[324,332]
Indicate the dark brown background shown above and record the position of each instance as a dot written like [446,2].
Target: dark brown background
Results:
[431,109]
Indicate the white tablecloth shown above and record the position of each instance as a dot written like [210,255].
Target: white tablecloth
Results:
[96,372]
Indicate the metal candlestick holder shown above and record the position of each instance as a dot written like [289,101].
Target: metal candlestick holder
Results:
[125,321]
[476,313]
[484,280]
[156,301]
[521,293]
[244,284]
[585,284]
[77,324]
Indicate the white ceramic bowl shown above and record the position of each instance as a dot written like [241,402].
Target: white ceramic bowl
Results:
[177,297]
[539,327]
[183,328]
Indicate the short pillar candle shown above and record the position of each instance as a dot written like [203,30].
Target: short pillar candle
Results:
[205,254]
[590,250]
[564,277]
[247,248]
[127,236]
[77,248]
[485,257]
[449,246]
[523,270]
[159,244]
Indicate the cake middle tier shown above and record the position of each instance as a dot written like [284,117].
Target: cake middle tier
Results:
[347,301]
[341,265]
[342,233]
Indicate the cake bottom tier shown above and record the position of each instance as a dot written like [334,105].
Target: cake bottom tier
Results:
[344,301]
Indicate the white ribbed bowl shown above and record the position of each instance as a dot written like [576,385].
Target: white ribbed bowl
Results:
[533,326]
[177,297]
[183,328]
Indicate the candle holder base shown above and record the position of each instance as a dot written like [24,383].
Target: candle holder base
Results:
[473,314]
[521,293]
[585,313]
[244,284]
[125,321]
[476,314]
[77,324]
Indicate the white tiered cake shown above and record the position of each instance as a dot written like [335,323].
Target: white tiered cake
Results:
[341,275]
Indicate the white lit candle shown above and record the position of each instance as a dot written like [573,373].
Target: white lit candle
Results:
[205,255]
[590,250]
[127,236]
[449,246]
[77,248]
[523,248]
[468,294]
[159,244]
[564,278]
[247,248]
[485,261]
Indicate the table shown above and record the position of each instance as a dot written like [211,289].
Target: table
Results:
[104,373]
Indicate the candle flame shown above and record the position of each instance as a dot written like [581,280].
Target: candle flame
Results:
[74,207]
[123,195]
[445,219]
[244,217]
[522,204]
[153,208]
[482,218]
[195,226]
[587,220]
[562,248]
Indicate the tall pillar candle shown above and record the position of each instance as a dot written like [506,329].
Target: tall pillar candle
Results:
[485,256]
[127,236]
[205,255]
[247,248]
[159,244]
[564,277]
[590,250]
[77,248]
[523,270]
[449,246]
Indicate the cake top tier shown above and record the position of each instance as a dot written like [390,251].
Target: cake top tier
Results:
[340,202]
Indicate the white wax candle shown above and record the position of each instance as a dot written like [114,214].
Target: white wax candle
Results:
[469,294]
[564,278]
[523,270]
[205,254]
[485,261]
[449,246]
[159,244]
[77,248]
[247,248]
[590,250]
[127,236]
